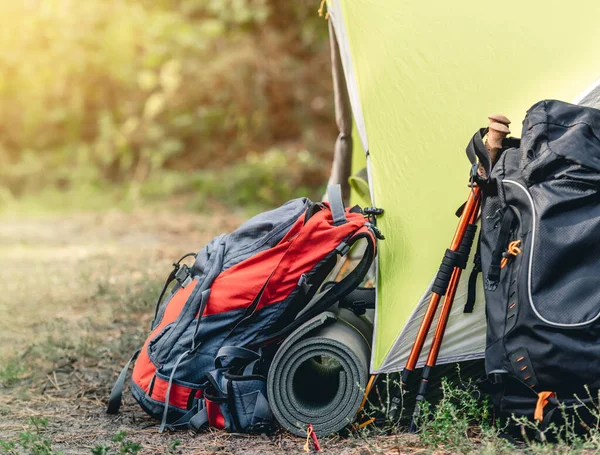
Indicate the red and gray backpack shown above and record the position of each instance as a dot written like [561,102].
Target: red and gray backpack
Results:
[207,356]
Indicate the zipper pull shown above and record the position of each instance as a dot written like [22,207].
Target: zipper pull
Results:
[513,250]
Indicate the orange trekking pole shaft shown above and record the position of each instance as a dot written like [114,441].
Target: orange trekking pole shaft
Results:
[440,328]
[498,130]
[446,308]
[469,210]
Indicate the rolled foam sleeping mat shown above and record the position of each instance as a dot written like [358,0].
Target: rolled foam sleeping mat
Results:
[319,374]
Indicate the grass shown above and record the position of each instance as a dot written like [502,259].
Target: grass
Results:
[35,442]
[88,341]
[462,414]
[11,372]
[462,422]
[120,446]
[92,198]
[96,308]
[256,182]
[32,441]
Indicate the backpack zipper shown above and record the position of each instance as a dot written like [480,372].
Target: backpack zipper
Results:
[513,250]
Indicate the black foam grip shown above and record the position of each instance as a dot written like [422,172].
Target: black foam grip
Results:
[440,285]
[426,372]
[465,246]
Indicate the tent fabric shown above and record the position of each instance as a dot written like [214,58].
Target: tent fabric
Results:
[464,338]
[422,76]
[359,183]
[591,96]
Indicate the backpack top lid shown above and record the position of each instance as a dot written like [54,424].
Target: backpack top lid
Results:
[564,129]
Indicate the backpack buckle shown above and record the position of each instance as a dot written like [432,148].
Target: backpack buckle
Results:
[358,307]
[183,276]
[372,211]
[477,179]
[342,248]
[497,377]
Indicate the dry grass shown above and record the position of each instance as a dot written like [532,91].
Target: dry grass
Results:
[78,298]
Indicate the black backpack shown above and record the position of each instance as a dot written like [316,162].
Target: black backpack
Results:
[540,259]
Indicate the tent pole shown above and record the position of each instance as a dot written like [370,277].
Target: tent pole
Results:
[341,167]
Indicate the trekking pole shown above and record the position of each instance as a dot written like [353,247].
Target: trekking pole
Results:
[497,131]
[441,283]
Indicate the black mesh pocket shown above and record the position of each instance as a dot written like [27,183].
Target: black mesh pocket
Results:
[564,253]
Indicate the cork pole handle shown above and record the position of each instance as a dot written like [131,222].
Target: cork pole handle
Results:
[497,131]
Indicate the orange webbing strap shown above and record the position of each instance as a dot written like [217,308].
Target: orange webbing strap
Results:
[513,250]
[541,403]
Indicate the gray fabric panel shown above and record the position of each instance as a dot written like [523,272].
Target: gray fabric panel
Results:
[259,233]
[295,399]
[262,232]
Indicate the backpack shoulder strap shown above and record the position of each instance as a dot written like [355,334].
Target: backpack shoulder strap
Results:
[472,284]
[339,290]
[116,394]
[478,153]
[336,204]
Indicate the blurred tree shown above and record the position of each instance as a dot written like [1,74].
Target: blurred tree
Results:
[119,90]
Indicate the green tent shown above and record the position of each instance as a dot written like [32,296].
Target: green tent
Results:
[421,77]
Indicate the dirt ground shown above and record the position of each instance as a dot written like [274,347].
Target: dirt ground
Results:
[77,299]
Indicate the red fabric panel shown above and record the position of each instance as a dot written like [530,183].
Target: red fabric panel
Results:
[238,286]
[215,416]
[179,394]
[317,240]
[144,369]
